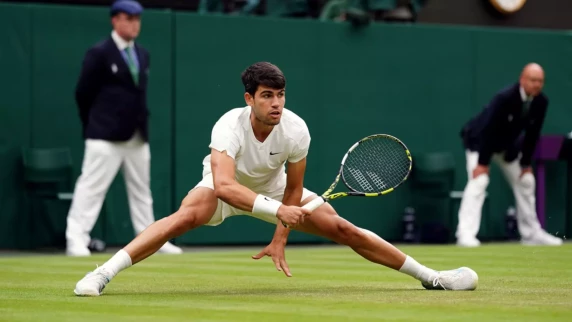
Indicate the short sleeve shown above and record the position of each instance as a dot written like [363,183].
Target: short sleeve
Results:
[225,138]
[300,150]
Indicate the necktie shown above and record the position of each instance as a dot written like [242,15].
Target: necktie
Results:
[132,66]
[526,107]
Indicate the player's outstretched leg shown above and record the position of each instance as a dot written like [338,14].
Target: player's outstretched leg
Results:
[196,210]
[325,222]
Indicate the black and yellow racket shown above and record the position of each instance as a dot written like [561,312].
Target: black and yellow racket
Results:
[373,166]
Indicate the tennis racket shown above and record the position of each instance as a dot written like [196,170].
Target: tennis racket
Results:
[373,166]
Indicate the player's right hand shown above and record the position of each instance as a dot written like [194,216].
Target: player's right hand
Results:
[292,215]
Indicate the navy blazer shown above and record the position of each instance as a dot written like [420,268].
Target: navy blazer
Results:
[111,106]
[502,127]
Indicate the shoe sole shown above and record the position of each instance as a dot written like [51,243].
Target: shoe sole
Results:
[539,244]
[85,294]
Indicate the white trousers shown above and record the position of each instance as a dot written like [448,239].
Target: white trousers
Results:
[474,196]
[101,162]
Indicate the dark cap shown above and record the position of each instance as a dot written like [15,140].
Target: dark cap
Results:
[130,7]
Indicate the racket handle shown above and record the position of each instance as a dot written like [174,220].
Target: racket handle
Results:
[315,203]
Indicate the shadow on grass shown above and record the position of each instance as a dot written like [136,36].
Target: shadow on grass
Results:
[263,291]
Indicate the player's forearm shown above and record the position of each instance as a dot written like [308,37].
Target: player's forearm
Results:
[292,197]
[236,195]
[281,234]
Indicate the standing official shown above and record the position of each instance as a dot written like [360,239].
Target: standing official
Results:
[111,97]
[506,131]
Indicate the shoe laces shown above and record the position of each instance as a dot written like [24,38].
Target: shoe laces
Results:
[437,282]
[99,272]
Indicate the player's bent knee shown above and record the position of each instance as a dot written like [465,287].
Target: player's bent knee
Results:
[182,221]
[187,218]
[346,233]
[196,210]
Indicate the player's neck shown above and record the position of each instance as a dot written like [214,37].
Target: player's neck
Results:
[261,131]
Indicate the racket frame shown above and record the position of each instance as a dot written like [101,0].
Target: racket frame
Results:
[328,195]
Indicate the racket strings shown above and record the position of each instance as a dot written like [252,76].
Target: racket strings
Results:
[376,165]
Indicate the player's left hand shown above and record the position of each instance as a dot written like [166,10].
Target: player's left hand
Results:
[276,251]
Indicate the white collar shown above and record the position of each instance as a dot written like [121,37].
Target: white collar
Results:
[523,95]
[120,42]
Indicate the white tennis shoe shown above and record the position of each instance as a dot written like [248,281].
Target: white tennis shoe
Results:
[93,283]
[460,279]
[542,238]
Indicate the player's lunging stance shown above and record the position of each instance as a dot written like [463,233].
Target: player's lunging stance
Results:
[245,174]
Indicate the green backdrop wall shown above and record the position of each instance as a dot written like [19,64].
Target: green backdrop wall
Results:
[417,82]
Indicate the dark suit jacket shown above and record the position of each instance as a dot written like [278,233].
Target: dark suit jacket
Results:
[501,127]
[111,106]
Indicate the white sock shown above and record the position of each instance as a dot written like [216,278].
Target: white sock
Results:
[120,261]
[412,268]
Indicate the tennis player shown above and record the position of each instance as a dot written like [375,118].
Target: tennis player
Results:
[256,167]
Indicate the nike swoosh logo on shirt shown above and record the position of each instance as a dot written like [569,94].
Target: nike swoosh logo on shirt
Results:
[275,153]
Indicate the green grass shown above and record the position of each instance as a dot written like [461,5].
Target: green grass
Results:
[516,283]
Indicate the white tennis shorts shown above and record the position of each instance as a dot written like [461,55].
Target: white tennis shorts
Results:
[224,210]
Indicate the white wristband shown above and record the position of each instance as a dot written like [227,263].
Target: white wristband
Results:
[265,206]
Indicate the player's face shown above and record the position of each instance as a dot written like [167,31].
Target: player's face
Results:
[532,82]
[267,104]
[127,26]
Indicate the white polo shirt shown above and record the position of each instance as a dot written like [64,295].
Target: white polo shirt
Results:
[260,166]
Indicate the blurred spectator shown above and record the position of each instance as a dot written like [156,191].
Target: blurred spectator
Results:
[506,132]
[232,7]
[360,12]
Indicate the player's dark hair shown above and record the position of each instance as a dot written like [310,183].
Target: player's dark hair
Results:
[262,73]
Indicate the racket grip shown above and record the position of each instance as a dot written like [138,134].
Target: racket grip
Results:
[312,205]
[315,203]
